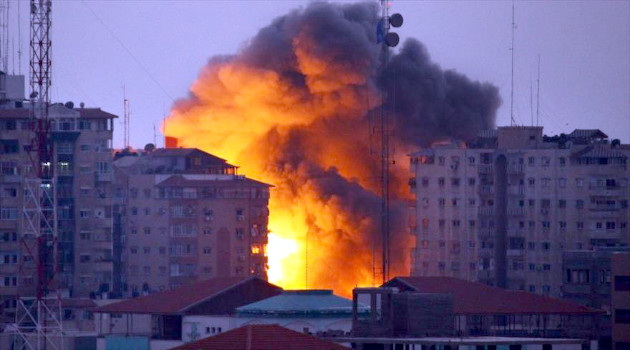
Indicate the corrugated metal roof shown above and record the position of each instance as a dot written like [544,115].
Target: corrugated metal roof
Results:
[261,337]
[587,133]
[478,299]
[301,302]
[600,151]
[94,113]
[176,300]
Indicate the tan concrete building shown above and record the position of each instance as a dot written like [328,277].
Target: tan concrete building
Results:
[185,215]
[83,165]
[502,208]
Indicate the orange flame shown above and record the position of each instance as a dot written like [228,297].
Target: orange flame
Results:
[253,116]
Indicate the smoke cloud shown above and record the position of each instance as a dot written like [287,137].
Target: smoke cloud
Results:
[298,107]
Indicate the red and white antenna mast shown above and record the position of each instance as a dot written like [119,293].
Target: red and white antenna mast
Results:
[38,312]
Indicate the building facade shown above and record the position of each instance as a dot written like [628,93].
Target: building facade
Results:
[502,208]
[184,215]
[620,267]
[82,140]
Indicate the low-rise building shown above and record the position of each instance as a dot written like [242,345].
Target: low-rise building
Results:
[156,319]
[318,312]
[261,337]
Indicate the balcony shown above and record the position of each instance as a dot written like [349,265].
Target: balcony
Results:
[486,211]
[104,177]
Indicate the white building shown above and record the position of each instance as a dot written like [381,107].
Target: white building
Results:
[306,311]
[501,209]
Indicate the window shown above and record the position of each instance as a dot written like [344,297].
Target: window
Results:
[64,148]
[207,250]
[562,182]
[610,225]
[441,202]
[545,245]
[579,182]
[599,225]
[147,211]
[147,230]
[239,234]
[454,202]
[207,231]
[442,223]
[441,160]
[562,224]
[531,161]
[546,224]
[134,211]
[471,223]
[146,270]
[471,201]
[532,288]
[531,181]
[240,216]
[622,283]
[471,181]
[577,276]
[162,250]
[545,181]
[133,250]
[441,182]
[425,244]
[84,213]
[579,204]
[425,182]
[546,267]
[471,160]
[562,203]
[146,250]
[456,223]
[545,161]
[455,182]
[147,192]
[562,161]
[622,316]
[580,225]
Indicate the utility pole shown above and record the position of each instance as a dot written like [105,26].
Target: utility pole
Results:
[512,121]
[38,311]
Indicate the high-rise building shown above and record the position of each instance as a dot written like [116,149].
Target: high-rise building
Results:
[503,207]
[82,140]
[183,215]
[620,267]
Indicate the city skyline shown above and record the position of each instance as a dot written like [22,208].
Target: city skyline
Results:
[101,47]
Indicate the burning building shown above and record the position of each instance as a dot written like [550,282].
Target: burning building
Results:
[297,107]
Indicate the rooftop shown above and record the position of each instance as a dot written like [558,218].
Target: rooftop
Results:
[302,302]
[261,337]
[179,300]
[478,299]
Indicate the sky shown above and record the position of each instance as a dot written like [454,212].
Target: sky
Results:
[154,50]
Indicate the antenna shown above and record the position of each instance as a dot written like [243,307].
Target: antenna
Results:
[512,122]
[387,39]
[127,116]
[531,102]
[538,93]
[19,50]
[4,35]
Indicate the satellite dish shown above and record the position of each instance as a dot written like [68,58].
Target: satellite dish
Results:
[396,20]
[392,39]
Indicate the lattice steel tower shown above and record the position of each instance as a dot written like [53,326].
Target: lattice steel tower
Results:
[38,313]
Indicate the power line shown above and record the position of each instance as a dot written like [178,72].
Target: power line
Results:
[120,42]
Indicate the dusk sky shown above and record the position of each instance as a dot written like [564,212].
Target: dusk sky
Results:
[157,48]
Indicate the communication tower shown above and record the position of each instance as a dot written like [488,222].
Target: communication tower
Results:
[38,311]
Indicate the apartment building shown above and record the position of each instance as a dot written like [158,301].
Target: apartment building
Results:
[184,215]
[502,208]
[620,267]
[83,167]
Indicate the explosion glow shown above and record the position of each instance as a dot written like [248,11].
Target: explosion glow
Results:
[298,108]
